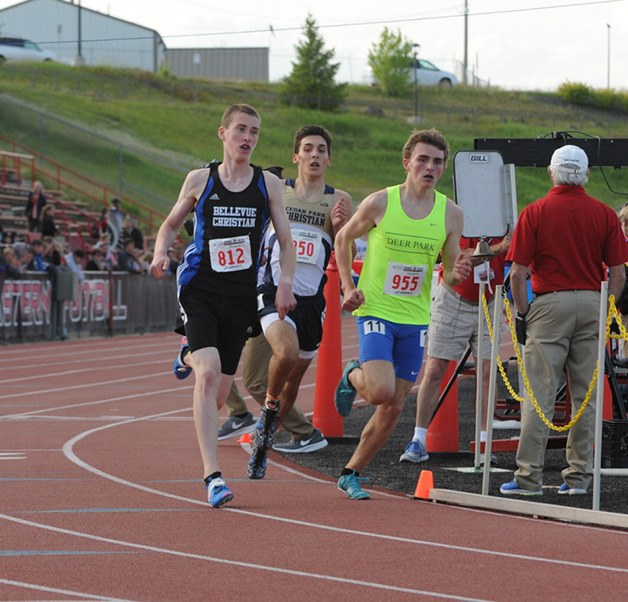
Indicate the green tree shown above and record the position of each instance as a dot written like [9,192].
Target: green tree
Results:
[390,61]
[311,83]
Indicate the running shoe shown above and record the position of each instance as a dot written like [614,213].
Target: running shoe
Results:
[180,369]
[415,452]
[564,489]
[345,391]
[511,488]
[236,425]
[305,445]
[352,486]
[218,493]
[264,432]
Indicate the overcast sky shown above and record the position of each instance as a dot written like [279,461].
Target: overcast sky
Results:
[514,44]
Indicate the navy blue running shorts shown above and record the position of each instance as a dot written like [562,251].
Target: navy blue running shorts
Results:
[218,321]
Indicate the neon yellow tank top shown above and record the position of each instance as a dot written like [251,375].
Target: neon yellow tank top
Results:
[400,255]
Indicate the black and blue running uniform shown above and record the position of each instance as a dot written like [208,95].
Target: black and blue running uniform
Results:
[239,220]
[217,278]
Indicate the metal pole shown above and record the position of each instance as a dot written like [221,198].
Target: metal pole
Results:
[416,83]
[608,56]
[80,33]
[465,65]
[479,379]
[599,396]
[492,387]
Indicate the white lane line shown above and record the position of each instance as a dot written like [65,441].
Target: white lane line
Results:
[12,456]
[56,590]
[87,386]
[179,388]
[247,565]
[98,369]
[68,450]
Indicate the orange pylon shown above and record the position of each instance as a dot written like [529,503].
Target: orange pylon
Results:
[442,435]
[424,485]
[245,438]
[329,369]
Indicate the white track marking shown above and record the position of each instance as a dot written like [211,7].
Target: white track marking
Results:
[55,590]
[23,415]
[248,565]
[69,453]
[55,374]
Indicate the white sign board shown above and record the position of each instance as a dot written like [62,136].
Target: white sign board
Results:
[485,191]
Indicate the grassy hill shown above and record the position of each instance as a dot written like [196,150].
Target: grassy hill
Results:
[140,133]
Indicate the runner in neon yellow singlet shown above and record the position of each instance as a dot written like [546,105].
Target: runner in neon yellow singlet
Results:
[400,255]
[407,226]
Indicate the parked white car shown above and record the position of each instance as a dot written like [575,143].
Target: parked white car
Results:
[19,49]
[428,74]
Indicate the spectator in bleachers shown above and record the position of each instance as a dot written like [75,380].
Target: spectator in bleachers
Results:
[35,206]
[9,264]
[174,261]
[146,258]
[128,258]
[24,254]
[75,260]
[100,226]
[48,225]
[110,256]
[38,263]
[53,252]
[96,261]
[175,254]
[116,219]
[130,230]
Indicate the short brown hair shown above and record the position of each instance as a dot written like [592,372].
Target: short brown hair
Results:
[311,130]
[432,137]
[227,116]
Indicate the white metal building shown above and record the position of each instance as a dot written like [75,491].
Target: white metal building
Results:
[227,64]
[80,35]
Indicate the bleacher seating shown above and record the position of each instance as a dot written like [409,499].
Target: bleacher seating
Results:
[73,218]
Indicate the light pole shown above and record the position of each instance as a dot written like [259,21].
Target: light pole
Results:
[608,56]
[415,66]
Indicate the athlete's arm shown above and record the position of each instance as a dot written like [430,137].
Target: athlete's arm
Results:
[456,267]
[284,298]
[367,216]
[191,190]
[341,213]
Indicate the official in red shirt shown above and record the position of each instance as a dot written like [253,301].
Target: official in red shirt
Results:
[566,239]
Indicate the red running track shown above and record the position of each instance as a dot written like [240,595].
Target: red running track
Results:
[101,499]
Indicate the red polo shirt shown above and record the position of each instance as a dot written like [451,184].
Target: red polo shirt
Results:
[566,238]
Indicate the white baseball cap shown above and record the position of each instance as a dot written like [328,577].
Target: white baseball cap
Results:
[570,158]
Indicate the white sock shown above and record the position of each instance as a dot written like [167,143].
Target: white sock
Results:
[420,434]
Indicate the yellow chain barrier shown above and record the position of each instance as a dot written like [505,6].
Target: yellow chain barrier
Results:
[613,312]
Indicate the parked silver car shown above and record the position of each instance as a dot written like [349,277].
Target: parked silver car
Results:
[428,74]
[19,49]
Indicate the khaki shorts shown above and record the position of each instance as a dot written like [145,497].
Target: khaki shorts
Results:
[454,325]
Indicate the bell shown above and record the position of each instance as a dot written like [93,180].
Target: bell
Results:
[483,251]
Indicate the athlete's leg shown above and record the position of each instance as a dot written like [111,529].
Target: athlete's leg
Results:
[282,338]
[381,424]
[210,389]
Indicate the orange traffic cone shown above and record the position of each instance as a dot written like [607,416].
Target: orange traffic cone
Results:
[442,434]
[246,438]
[329,370]
[424,485]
